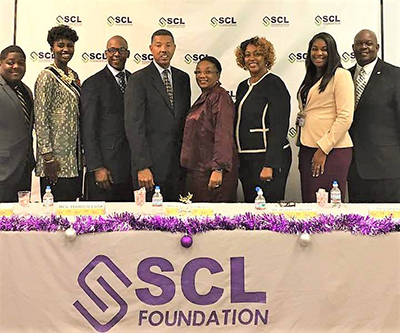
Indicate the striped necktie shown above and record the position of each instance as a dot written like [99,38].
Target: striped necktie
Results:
[361,82]
[121,81]
[168,86]
[25,108]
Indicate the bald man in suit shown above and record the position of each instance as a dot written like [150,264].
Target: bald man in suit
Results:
[16,122]
[374,174]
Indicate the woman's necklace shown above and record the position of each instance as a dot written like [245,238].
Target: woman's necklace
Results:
[69,77]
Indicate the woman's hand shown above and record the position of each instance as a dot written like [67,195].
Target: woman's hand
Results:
[215,180]
[318,163]
[51,170]
[266,174]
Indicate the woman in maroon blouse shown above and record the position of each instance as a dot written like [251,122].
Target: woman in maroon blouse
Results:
[208,148]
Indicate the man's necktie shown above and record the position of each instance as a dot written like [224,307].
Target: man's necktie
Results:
[121,81]
[21,98]
[168,86]
[361,82]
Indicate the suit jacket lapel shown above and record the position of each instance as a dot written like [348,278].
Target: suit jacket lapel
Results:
[371,82]
[13,96]
[159,86]
[112,82]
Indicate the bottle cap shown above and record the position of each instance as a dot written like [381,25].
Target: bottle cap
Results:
[259,190]
[335,182]
[48,187]
[157,188]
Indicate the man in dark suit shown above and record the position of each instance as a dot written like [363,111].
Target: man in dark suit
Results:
[156,103]
[16,121]
[374,174]
[106,148]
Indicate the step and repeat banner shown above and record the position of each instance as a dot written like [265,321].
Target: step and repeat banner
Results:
[200,28]
[391,27]
[6,23]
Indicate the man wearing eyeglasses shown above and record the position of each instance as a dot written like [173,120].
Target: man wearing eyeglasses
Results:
[107,152]
[157,100]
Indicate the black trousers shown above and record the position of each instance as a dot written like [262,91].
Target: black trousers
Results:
[122,192]
[372,190]
[249,175]
[66,189]
[9,190]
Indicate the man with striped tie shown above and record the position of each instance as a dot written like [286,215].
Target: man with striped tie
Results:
[16,122]
[374,174]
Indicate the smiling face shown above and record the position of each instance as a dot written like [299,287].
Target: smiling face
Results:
[365,47]
[63,50]
[319,54]
[207,75]
[13,67]
[254,60]
[117,52]
[163,49]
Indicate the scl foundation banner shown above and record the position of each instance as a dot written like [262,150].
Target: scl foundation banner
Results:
[200,28]
[145,281]
[6,23]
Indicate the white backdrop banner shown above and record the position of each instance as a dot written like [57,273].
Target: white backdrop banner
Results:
[200,28]
[391,27]
[6,23]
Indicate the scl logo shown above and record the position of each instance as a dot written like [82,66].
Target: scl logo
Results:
[223,21]
[326,19]
[346,57]
[144,58]
[41,56]
[299,56]
[292,132]
[119,20]
[193,58]
[275,21]
[68,20]
[93,57]
[171,22]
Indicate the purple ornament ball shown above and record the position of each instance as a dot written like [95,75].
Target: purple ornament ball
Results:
[186,241]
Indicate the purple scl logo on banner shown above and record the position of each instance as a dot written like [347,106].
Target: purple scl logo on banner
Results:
[101,259]
[189,290]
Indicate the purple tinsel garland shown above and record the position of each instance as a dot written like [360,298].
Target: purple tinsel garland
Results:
[354,223]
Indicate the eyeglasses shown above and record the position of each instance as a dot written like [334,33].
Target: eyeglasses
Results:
[205,73]
[287,204]
[113,50]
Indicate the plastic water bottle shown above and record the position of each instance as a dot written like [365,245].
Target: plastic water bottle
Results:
[157,199]
[48,201]
[336,195]
[260,200]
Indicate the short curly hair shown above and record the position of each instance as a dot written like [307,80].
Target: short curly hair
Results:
[266,48]
[60,32]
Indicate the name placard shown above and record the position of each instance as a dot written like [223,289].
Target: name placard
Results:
[6,209]
[385,211]
[294,212]
[189,210]
[94,208]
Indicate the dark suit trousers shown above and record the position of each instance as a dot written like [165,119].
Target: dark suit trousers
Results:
[249,174]
[372,190]
[122,192]
[9,191]
[336,168]
[66,189]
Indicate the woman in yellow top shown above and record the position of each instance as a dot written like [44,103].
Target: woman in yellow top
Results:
[326,101]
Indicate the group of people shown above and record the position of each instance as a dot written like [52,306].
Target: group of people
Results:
[134,130]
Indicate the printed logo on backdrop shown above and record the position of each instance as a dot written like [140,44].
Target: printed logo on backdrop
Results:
[119,20]
[171,22]
[73,20]
[93,57]
[142,58]
[193,58]
[326,20]
[348,57]
[41,56]
[223,21]
[275,21]
[297,57]
[292,132]
[196,311]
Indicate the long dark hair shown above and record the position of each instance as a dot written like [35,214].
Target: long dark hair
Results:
[328,71]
